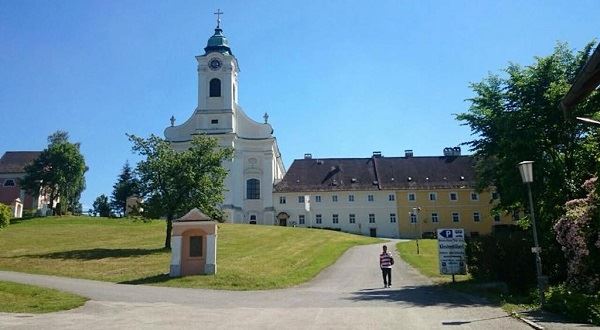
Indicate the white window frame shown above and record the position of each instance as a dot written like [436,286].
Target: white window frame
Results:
[371,217]
[334,198]
[301,199]
[434,195]
[335,218]
[370,198]
[392,217]
[455,217]
[414,197]
[476,196]
[412,218]
[317,199]
[352,218]
[318,219]
[476,217]
[391,197]
[282,200]
[350,198]
[450,196]
[435,217]
[301,219]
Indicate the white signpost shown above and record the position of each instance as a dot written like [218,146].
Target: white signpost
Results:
[451,245]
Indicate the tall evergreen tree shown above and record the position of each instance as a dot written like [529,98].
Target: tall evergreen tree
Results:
[126,186]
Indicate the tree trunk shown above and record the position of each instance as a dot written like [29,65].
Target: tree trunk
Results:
[169,229]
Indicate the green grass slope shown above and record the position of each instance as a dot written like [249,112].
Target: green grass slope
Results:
[21,298]
[248,256]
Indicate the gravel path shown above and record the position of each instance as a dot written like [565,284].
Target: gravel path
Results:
[347,295]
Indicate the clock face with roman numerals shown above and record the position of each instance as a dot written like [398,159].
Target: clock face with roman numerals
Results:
[215,64]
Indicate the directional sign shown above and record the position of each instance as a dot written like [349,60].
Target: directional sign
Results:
[451,245]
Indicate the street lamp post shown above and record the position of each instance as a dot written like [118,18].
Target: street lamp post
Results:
[526,170]
[415,212]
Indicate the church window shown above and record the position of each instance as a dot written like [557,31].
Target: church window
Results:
[334,198]
[350,198]
[253,189]
[392,217]
[453,196]
[476,217]
[318,219]
[474,196]
[370,198]
[435,218]
[300,199]
[352,218]
[412,197]
[282,200]
[215,88]
[318,199]
[335,218]
[391,197]
[214,121]
[301,219]
[9,183]
[196,246]
[432,196]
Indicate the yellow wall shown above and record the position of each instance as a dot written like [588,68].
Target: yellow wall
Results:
[444,207]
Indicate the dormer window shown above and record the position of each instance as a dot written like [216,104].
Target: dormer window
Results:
[215,88]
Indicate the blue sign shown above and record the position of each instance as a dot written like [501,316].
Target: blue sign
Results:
[446,233]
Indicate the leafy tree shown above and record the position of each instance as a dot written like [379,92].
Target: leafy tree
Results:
[173,182]
[101,206]
[58,172]
[516,117]
[126,186]
[5,215]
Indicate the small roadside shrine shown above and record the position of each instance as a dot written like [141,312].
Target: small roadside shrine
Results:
[193,245]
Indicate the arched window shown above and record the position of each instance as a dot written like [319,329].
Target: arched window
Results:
[253,189]
[215,87]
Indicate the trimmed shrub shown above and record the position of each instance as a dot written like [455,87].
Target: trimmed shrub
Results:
[505,256]
[577,307]
[4,215]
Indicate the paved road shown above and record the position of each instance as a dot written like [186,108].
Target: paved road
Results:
[347,295]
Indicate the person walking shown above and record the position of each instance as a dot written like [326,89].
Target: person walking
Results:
[385,263]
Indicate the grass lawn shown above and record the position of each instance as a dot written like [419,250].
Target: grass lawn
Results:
[427,262]
[248,256]
[22,298]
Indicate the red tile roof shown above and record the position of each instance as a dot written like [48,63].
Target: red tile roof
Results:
[15,161]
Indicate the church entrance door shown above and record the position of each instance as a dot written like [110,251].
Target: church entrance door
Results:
[283,222]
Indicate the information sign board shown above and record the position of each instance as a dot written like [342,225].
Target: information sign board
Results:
[451,245]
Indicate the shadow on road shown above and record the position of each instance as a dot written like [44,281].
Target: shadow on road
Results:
[416,295]
[94,254]
[160,278]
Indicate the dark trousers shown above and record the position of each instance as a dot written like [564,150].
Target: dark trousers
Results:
[387,276]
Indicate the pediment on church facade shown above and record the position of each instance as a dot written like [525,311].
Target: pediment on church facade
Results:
[250,129]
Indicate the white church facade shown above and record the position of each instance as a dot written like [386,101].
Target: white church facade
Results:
[256,165]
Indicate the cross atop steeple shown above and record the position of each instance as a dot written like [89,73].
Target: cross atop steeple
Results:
[219,13]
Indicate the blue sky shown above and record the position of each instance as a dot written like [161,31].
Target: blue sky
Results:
[338,78]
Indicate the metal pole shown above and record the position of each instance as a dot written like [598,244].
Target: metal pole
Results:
[538,259]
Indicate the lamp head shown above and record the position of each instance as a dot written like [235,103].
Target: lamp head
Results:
[526,170]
